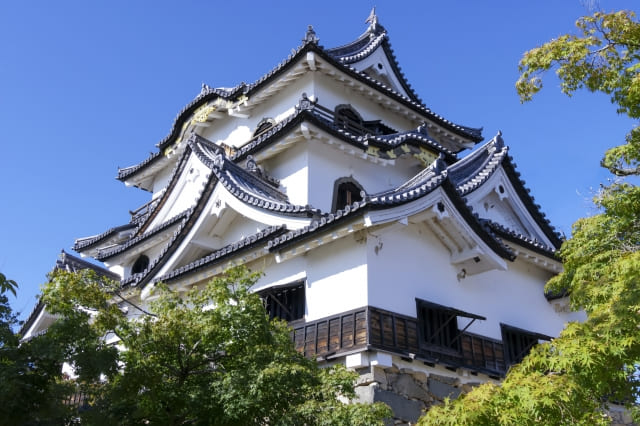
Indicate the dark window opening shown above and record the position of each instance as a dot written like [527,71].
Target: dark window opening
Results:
[286,303]
[264,125]
[347,118]
[518,342]
[140,265]
[346,193]
[439,325]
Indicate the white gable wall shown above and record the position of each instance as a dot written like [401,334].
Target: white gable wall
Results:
[331,93]
[378,62]
[186,191]
[292,168]
[497,200]
[328,163]
[410,263]
[237,131]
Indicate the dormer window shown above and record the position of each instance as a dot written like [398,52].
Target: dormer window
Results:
[140,265]
[347,118]
[346,192]
[264,125]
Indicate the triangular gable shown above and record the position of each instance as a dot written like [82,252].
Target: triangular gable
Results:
[372,55]
[488,180]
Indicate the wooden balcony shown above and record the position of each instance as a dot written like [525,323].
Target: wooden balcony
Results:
[374,328]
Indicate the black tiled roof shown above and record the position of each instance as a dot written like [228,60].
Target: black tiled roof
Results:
[390,145]
[111,252]
[207,94]
[155,208]
[529,201]
[532,244]
[323,223]
[249,187]
[469,173]
[365,45]
[72,263]
[420,185]
[82,244]
[223,253]
[125,172]
[179,235]
[472,171]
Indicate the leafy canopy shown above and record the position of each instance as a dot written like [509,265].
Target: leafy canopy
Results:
[574,378]
[210,356]
[33,390]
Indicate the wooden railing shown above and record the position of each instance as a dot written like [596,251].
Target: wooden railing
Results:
[376,328]
[330,335]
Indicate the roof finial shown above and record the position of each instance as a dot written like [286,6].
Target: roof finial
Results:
[499,140]
[372,20]
[310,36]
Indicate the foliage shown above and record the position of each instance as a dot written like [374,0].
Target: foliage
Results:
[572,379]
[210,356]
[33,390]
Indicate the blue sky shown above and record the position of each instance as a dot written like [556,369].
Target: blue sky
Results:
[87,87]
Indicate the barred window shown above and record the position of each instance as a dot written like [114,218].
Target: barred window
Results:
[285,302]
[518,342]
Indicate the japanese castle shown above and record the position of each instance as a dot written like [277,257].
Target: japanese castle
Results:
[393,240]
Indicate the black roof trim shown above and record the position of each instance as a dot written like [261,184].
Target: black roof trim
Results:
[529,201]
[126,172]
[520,239]
[248,187]
[223,253]
[454,311]
[476,168]
[208,93]
[178,236]
[539,336]
[173,180]
[423,183]
[375,36]
[327,221]
[114,251]
[390,145]
[82,244]
[472,171]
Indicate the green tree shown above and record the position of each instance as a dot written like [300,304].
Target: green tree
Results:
[33,390]
[210,356]
[572,379]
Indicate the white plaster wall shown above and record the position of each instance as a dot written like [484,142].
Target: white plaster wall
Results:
[186,191]
[240,228]
[337,278]
[161,180]
[280,273]
[327,163]
[330,93]
[413,263]
[509,211]
[291,167]
[236,131]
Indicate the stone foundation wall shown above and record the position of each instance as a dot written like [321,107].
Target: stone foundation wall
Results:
[620,417]
[409,393]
